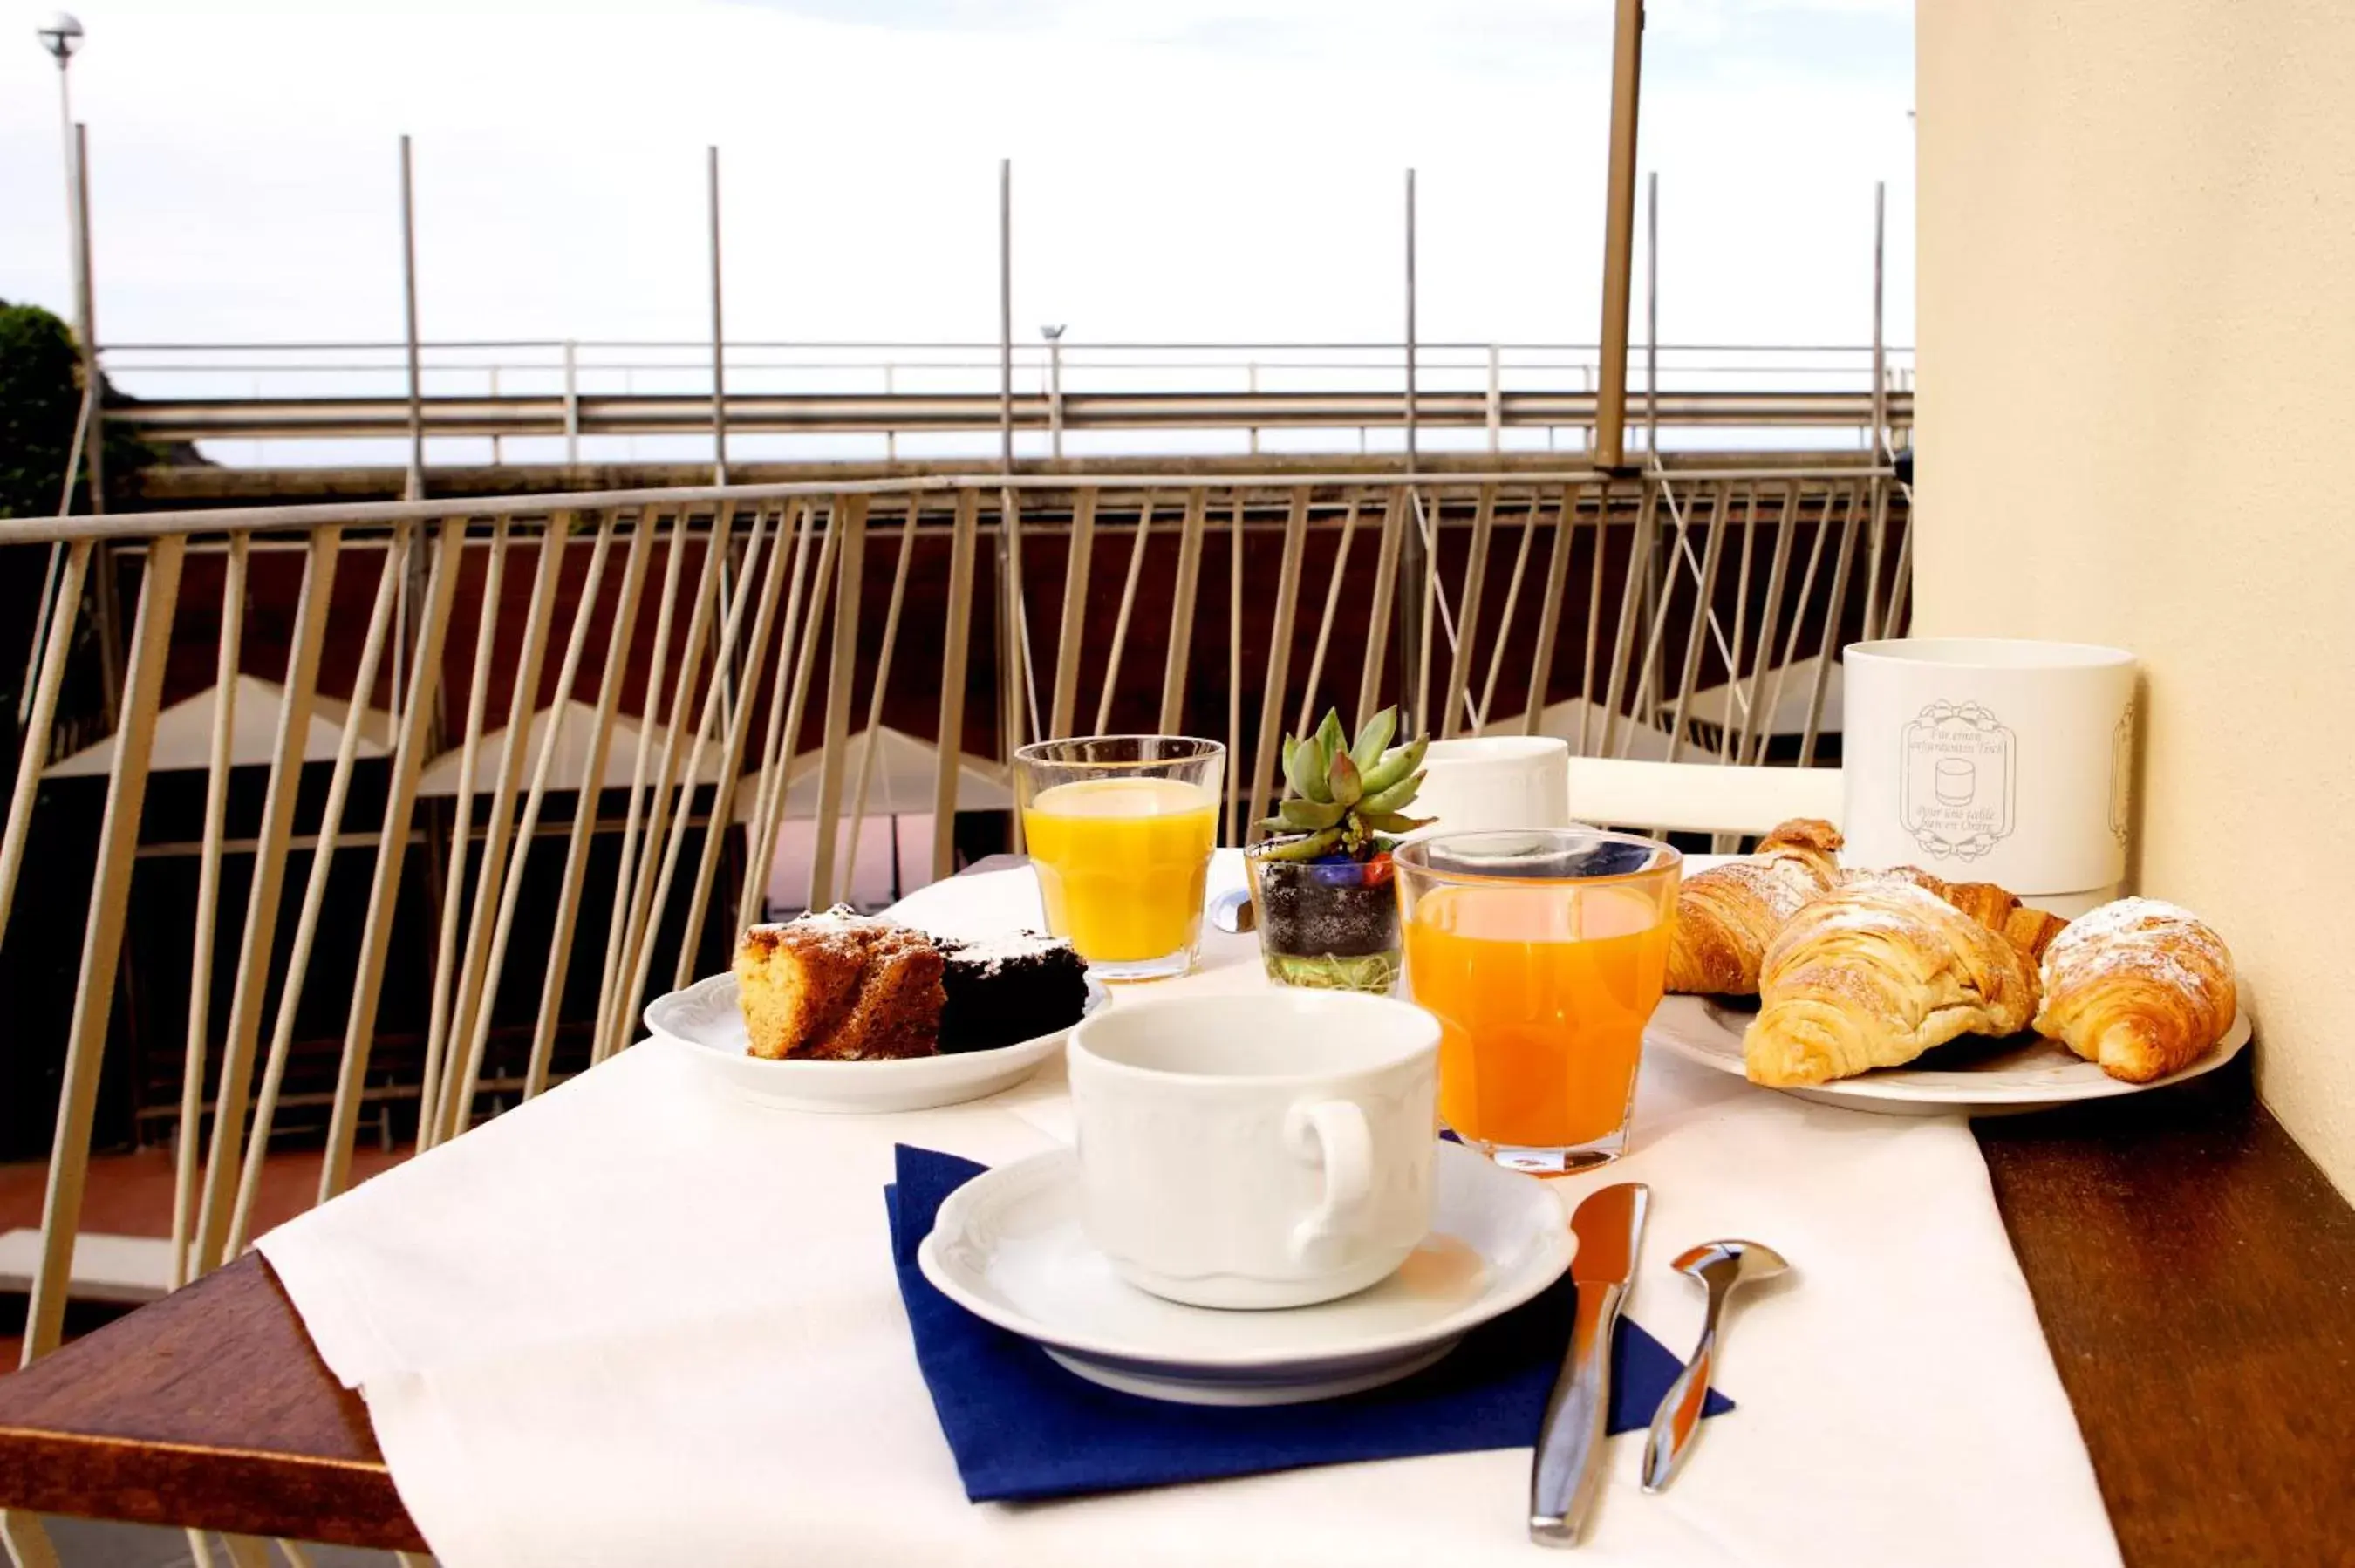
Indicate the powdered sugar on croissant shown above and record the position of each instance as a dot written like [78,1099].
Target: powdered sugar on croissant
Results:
[1727,915]
[2139,986]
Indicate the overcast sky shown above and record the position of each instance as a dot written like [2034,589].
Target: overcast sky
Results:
[1183,169]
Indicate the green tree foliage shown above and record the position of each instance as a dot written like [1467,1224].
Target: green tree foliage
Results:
[40,397]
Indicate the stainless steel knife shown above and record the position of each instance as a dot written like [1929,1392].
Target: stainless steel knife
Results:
[1568,1467]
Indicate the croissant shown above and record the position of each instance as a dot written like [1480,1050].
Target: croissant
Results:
[2139,988]
[1875,973]
[2030,930]
[1727,915]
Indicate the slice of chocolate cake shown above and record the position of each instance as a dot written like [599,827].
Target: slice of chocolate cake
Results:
[1003,991]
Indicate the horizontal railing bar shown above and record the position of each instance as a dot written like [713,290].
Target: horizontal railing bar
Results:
[552,415]
[144,525]
[977,347]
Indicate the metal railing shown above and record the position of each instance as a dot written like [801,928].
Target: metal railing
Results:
[1674,615]
[576,391]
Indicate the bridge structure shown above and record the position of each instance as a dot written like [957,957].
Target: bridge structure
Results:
[300,404]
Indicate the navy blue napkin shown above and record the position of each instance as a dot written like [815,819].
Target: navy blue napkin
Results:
[1023,1428]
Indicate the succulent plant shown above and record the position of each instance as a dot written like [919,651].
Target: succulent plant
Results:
[1342,795]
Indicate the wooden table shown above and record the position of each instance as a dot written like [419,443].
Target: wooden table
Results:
[2194,1272]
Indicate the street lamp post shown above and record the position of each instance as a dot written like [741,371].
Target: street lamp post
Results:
[61,35]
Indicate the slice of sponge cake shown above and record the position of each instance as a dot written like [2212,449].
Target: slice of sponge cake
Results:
[839,986]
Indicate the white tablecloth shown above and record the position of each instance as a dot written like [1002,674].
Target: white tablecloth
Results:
[641,1321]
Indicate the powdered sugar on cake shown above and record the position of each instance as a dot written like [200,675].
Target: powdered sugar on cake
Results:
[990,952]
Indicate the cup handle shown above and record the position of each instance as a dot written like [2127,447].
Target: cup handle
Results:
[1338,1130]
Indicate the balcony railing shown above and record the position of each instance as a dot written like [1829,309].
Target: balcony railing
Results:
[551,745]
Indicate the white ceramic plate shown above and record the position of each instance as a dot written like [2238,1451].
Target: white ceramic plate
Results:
[1007,1246]
[1987,1078]
[707,1015]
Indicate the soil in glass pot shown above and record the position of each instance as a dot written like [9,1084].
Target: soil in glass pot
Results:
[1329,924]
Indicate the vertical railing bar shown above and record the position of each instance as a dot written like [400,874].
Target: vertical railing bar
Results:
[621,634]
[1877,545]
[1589,710]
[950,742]
[267,889]
[33,753]
[490,874]
[801,521]
[314,889]
[1708,612]
[797,697]
[1512,603]
[638,937]
[813,629]
[1383,610]
[391,856]
[190,1137]
[617,920]
[1181,613]
[1833,611]
[1325,622]
[101,947]
[739,726]
[1901,582]
[1467,616]
[1025,667]
[1712,552]
[851,566]
[1279,659]
[1072,637]
[1230,810]
[1725,731]
[1755,719]
[1622,641]
[874,697]
[27,1541]
[682,820]
[462,836]
[1128,604]
[1661,580]
[1657,631]
[1550,607]
[1424,522]
[511,884]
[1763,734]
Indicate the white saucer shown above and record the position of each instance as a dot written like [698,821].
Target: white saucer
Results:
[1990,1079]
[1007,1246]
[707,1014]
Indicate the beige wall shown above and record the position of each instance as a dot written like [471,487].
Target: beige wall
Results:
[2137,425]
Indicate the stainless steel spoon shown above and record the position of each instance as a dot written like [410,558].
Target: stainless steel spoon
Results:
[1720,1267]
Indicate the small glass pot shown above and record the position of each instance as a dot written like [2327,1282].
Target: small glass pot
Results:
[1329,925]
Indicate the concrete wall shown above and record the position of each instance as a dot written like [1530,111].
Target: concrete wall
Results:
[2137,414]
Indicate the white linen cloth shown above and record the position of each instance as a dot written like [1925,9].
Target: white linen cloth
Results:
[642,1321]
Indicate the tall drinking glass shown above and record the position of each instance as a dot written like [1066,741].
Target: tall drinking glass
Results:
[1542,953]
[1120,829]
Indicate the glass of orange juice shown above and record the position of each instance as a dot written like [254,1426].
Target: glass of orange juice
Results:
[1542,953]
[1119,828]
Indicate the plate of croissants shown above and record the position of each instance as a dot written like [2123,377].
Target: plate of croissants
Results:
[1894,990]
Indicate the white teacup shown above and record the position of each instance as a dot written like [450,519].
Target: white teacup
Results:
[1265,1149]
[1482,784]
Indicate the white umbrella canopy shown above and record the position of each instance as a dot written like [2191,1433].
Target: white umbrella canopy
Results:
[906,771]
[183,735]
[1579,723]
[1718,705]
[440,776]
